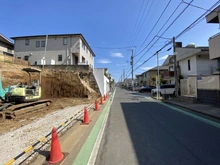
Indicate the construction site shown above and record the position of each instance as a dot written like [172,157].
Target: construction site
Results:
[64,88]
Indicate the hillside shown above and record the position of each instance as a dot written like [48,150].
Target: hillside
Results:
[64,88]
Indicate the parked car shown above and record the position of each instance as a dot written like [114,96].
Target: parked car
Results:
[146,89]
[165,89]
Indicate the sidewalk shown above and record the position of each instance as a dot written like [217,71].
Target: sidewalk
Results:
[205,109]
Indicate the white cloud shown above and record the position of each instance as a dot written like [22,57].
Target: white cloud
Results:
[146,68]
[163,58]
[117,55]
[121,64]
[104,61]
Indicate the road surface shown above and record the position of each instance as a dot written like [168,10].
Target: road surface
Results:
[142,131]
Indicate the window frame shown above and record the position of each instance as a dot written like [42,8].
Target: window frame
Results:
[60,57]
[65,41]
[26,58]
[42,44]
[27,42]
[37,44]
[189,67]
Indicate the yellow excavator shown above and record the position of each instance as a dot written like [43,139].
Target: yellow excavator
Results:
[23,97]
[23,92]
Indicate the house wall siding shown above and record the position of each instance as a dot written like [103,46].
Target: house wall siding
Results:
[184,66]
[204,65]
[214,47]
[54,48]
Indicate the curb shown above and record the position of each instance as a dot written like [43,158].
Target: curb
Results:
[199,112]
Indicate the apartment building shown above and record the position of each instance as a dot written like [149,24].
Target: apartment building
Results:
[55,49]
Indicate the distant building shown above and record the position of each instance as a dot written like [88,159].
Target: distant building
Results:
[55,49]
[6,46]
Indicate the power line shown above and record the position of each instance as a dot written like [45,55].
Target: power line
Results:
[184,31]
[196,6]
[160,30]
[156,22]
[138,31]
[133,32]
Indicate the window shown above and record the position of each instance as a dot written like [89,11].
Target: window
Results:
[60,57]
[83,46]
[188,64]
[26,58]
[171,68]
[37,44]
[27,42]
[64,40]
[42,43]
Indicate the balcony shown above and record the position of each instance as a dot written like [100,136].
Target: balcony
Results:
[168,74]
[214,49]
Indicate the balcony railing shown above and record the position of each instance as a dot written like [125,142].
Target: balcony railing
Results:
[168,74]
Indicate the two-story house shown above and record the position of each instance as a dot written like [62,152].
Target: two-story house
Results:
[194,61]
[55,49]
[168,76]
[6,46]
[139,79]
[149,75]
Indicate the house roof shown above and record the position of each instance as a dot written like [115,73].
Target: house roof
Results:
[167,61]
[58,35]
[190,51]
[155,69]
[212,17]
[5,40]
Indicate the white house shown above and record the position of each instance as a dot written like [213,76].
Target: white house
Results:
[194,61]
[55,49]
[6,46]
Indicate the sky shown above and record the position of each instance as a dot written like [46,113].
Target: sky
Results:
[113,28]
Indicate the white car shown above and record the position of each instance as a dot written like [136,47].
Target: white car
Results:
[165,89]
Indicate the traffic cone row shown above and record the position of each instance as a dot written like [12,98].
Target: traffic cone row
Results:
[56,154]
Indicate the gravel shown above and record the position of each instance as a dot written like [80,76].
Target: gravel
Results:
[15,142]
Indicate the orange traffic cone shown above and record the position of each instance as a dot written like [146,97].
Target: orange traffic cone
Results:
[101,101]
[86,117]
[96,105]
[55,152]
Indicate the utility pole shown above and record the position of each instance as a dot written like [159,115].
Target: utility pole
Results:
[124,74]
[157,79]
[132,69]
[175,68]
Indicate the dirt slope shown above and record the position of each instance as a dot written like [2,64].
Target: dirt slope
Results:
[64,88]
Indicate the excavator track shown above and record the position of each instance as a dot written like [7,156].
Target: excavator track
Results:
[12,111]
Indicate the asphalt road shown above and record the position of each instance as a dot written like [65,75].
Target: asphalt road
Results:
[141,131]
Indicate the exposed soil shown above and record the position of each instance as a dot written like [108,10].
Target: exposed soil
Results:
[64,88]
